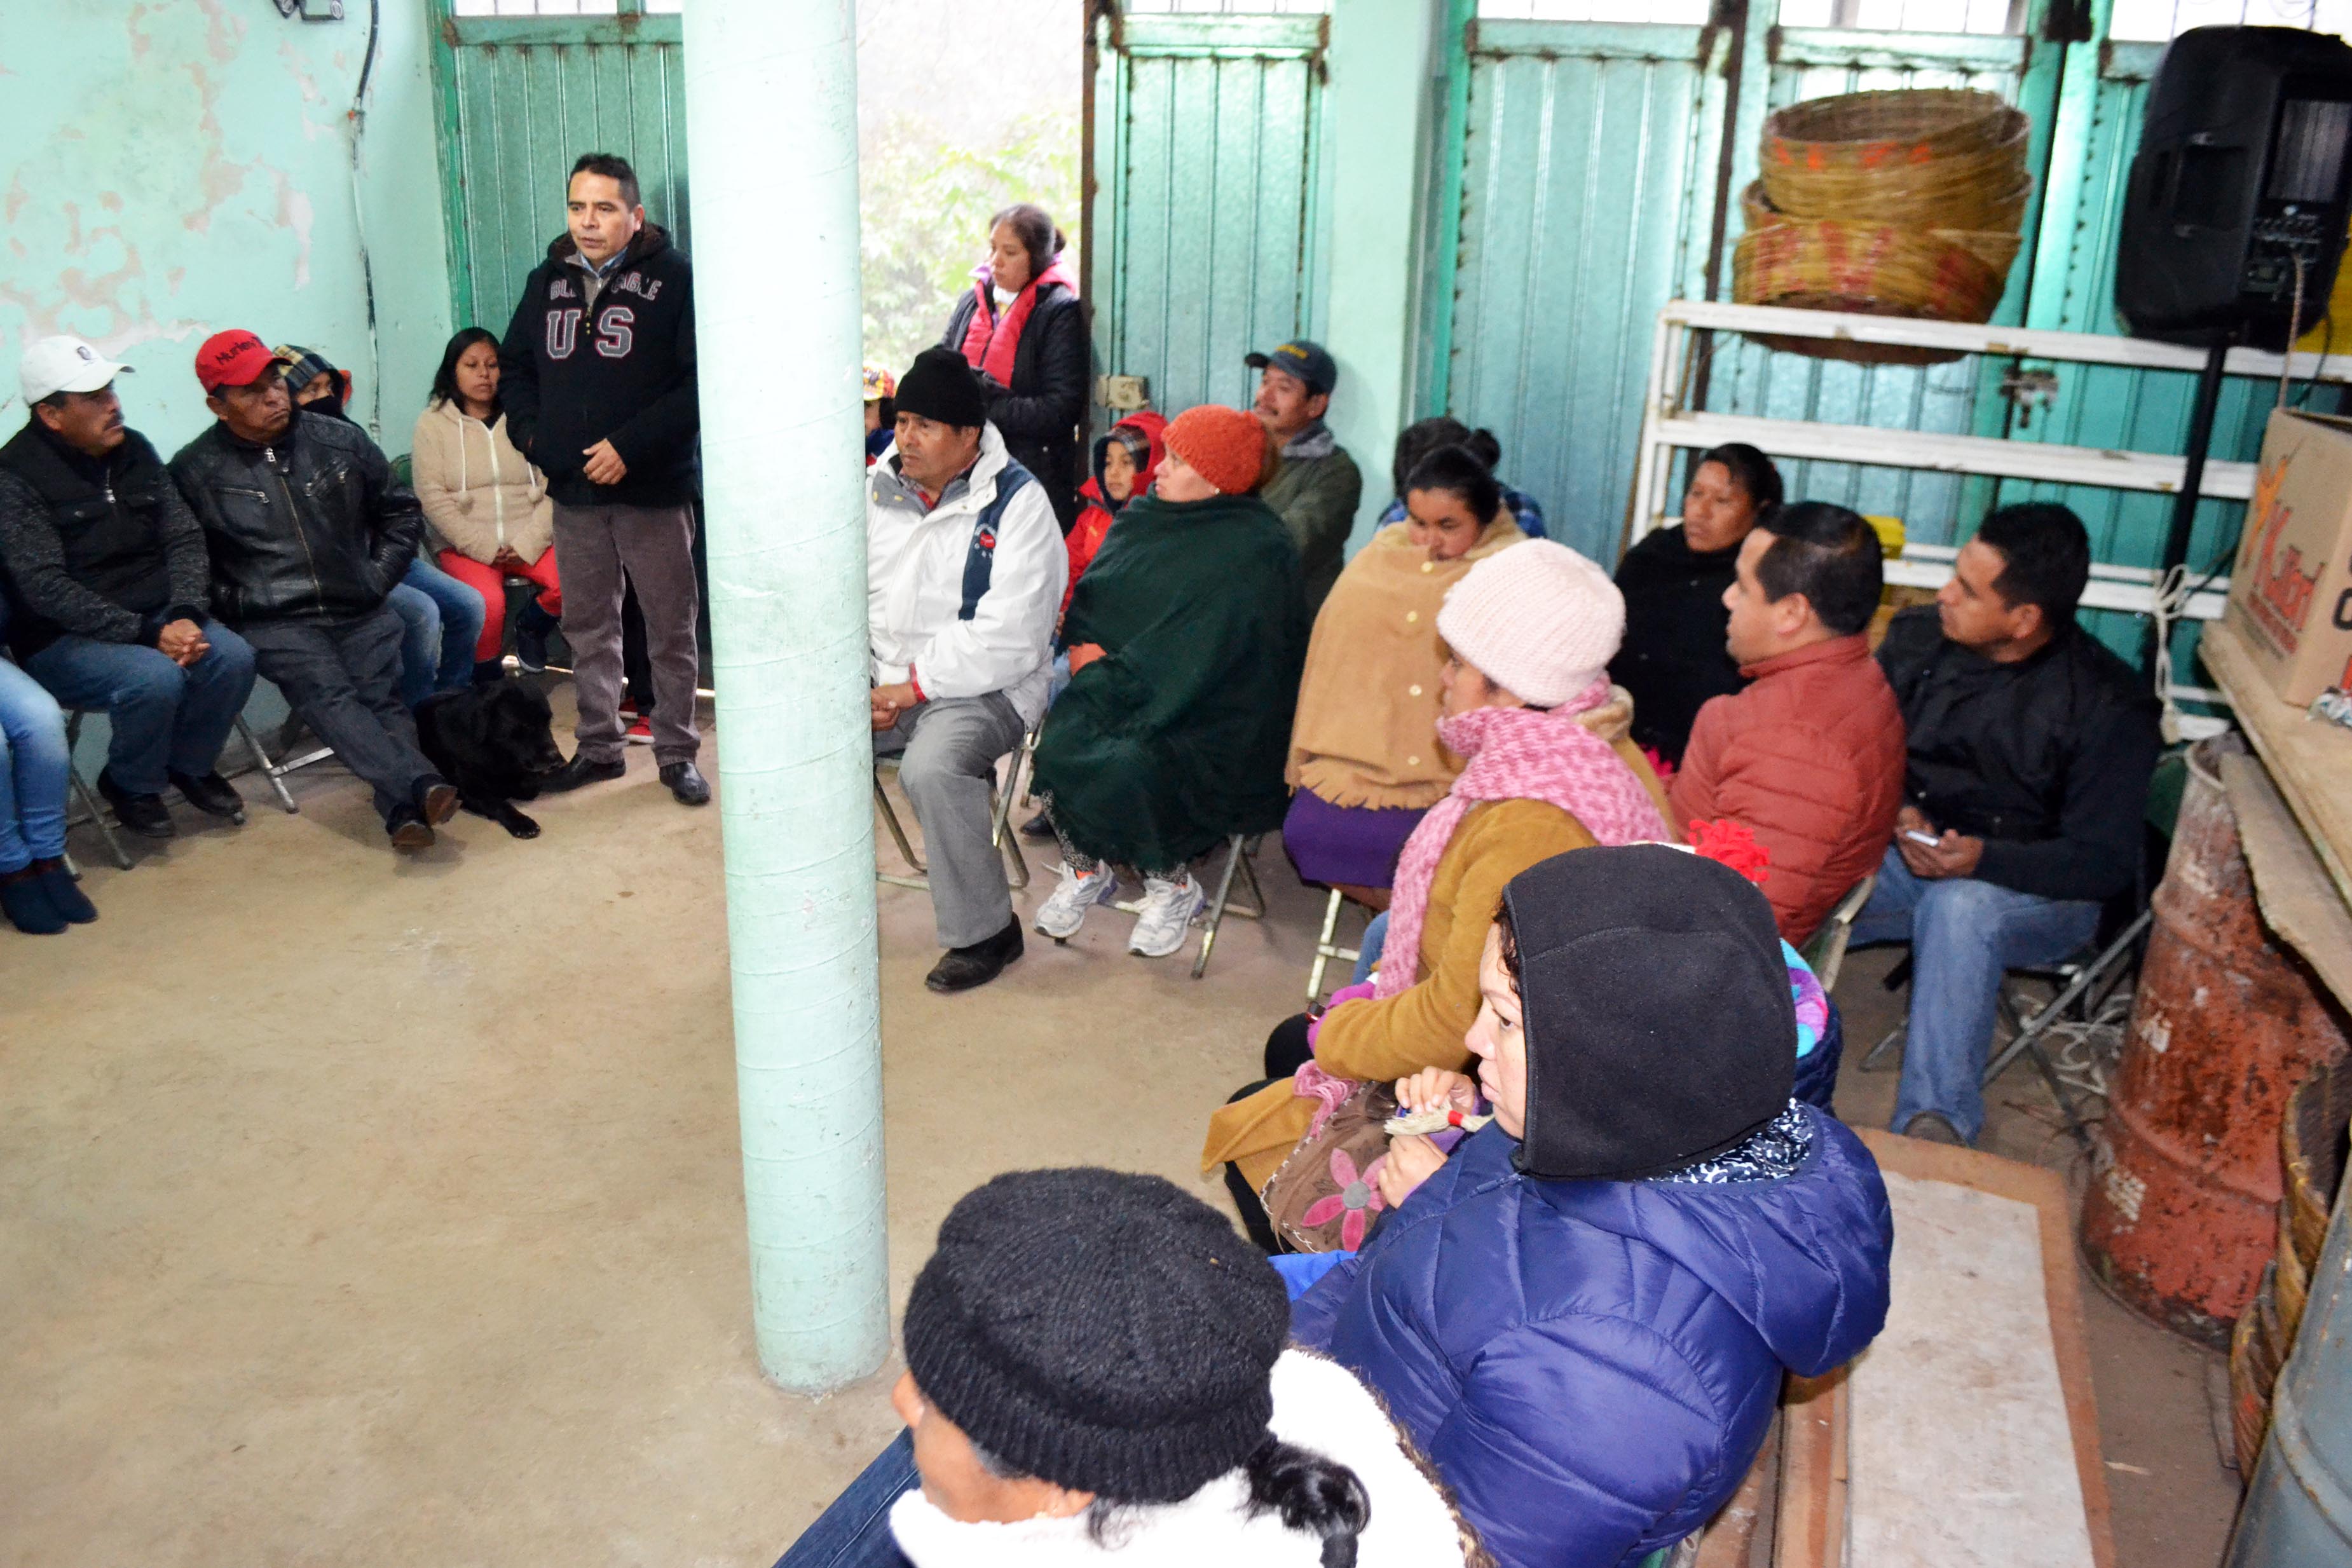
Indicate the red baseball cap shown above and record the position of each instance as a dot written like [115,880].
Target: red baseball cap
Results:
[231,359]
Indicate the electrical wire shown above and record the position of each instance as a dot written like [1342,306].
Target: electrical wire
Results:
[357,120]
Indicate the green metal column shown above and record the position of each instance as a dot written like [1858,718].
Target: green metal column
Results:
[1383,100]
[772,120]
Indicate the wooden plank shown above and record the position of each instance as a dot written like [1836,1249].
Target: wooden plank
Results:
[2046,1192]
[1809,1530]
[2298,903]
[2310,760]
[1731,1537]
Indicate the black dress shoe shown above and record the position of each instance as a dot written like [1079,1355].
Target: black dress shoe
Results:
[408,829]
[437,798]
[1040,826]
[580,771]
[961,969]
[686,782]
[209,793]
[143,814]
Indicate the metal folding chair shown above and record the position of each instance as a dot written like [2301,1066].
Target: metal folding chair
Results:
[1327,947]
[1000,832]
[94,808]
[2081,986]
[277,770]
[1239,848]
[1824,951]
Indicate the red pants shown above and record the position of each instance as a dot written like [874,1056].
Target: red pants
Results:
[491,584]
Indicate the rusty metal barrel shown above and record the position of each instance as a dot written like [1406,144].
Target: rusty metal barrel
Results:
[2227,1022]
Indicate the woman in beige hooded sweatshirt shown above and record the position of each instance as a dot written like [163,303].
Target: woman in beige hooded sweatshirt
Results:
[487,505]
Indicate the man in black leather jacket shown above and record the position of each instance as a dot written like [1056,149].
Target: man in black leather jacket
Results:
[2029,751]
[308,531]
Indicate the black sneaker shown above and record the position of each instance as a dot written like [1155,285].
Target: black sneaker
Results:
[66,897]
[25,906]
[209,793]
[437,798]
[686,782]
[143,814]
[582,770]
[961,969]
[408,829]
[1039,827]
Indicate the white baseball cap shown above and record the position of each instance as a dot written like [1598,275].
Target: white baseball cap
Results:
[64,364]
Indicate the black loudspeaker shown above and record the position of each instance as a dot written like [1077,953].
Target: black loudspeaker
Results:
[2244,170]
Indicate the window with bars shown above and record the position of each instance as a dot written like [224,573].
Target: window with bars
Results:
[560,8]
[2158,21]
[1231,7]
[1687,13]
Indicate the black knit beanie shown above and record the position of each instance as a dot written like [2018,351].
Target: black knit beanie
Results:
[942,387]
[1104,1332]
[1655,1002]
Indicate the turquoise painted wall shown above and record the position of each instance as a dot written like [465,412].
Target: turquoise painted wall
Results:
[173,168]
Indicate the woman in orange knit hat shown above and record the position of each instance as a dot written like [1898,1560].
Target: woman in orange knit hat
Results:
[1185,639]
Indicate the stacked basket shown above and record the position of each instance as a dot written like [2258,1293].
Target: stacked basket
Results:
[1889,203]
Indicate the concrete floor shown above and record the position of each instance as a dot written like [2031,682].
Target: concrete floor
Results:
[359,1211]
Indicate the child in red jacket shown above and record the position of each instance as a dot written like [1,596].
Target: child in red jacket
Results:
[1124,462]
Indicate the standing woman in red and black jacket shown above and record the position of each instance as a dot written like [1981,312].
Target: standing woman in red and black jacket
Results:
[1020,326]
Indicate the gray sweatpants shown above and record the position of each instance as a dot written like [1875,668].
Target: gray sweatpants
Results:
[655,547]
[947,751]
[341,676]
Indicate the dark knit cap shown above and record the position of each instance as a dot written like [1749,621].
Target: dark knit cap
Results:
[1659,1025]
[941,386]
[1104,1332]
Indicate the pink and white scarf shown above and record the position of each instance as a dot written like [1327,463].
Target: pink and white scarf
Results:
[992,340]
[1515,753]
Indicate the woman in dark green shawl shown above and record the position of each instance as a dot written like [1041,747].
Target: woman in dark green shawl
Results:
[1186,637]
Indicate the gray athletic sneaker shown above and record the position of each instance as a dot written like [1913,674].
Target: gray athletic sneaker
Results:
[1065,909]
[1166,913]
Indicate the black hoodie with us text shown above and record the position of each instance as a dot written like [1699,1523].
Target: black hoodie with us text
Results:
[589,359]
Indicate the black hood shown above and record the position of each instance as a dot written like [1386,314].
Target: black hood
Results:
[1660,1029]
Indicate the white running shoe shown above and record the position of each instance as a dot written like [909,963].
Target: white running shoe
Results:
[1166,913]
[1065,910]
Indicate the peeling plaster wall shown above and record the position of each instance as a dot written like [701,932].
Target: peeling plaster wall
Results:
[173,167]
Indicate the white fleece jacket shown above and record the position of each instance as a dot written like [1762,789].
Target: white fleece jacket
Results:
[1317,1405]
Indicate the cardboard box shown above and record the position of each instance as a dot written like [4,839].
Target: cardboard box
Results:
[2291,591]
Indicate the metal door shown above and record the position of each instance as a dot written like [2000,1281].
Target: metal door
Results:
[1588,172]
[521,97]
[1201,194]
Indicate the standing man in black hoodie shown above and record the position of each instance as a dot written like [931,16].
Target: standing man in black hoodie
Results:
[597,377]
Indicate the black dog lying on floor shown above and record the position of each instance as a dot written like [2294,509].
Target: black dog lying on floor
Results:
[495,743]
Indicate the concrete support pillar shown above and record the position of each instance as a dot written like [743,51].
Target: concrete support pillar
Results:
[772,127]
[1382,105]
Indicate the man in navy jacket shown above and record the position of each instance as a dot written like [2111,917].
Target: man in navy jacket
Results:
[596,374]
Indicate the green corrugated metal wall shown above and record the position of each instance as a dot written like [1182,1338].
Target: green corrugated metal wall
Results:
[1203,225]
[1585,142]
[526,97]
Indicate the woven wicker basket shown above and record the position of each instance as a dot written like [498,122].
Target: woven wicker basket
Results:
[1922,156]
[1995,248]
[1868,268]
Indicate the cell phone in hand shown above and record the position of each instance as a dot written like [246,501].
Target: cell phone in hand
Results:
[1916,837]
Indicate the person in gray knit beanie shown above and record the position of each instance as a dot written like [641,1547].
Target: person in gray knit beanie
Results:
[1096,1373]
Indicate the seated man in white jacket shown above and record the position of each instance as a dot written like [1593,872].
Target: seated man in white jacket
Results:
[964,571]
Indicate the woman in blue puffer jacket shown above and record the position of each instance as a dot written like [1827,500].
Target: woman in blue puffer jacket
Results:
[1582,1316]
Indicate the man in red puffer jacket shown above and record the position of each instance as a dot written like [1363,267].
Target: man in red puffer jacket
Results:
[1810,757]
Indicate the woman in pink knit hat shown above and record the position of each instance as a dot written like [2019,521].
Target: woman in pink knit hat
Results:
[1548,767]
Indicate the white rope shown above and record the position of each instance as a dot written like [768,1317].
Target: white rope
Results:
[2083,1053]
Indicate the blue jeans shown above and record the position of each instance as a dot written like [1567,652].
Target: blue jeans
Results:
[163,717]
[33,763]
[443,620]
[1964,934]
[1368,951]
[854,1532]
